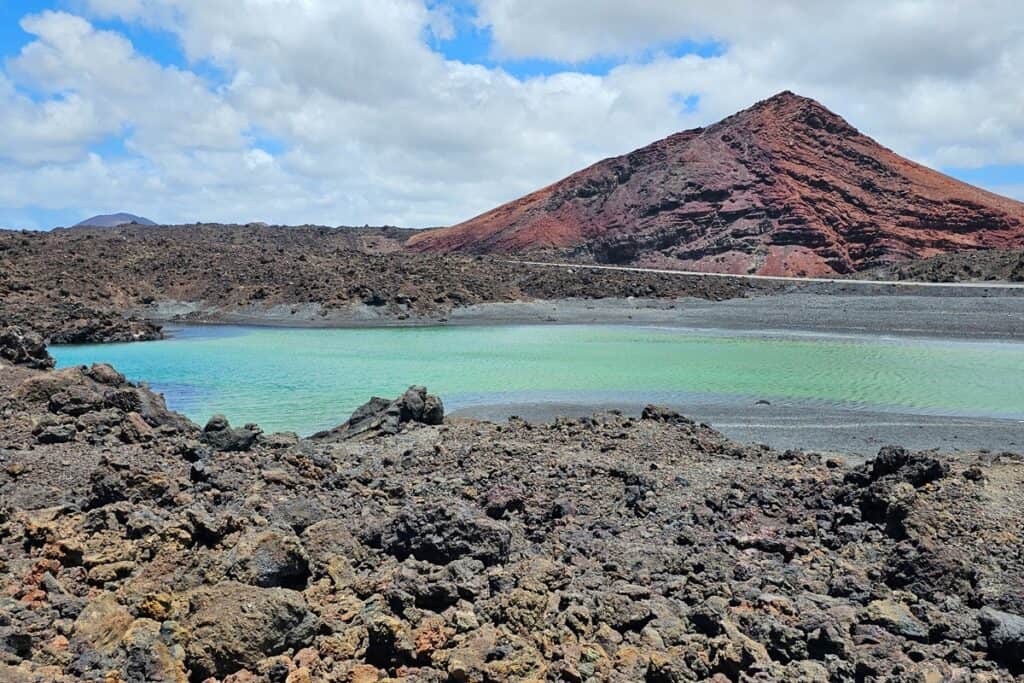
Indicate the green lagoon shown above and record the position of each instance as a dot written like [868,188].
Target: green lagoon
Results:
[304,380]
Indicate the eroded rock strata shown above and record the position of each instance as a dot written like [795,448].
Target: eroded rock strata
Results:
[135,546]
[785,187]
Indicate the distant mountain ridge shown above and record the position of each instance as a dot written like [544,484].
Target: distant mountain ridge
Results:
[112,220]
[785,187]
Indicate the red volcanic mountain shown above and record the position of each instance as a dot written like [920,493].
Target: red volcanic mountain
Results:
[783,188]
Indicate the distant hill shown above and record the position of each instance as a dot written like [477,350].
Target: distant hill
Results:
[784,188]
[113,220]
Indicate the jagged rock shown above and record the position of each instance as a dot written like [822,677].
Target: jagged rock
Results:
[440,535]
[55,433]
[219,434]
[502,500]
[105,635]
[330,542]
[436,588]
[114,480]
[76,400]
[101,399]
[663,414]
[105,374]
[270,558]
[23,347]
[380,416]
[917,470]
[896,618]
[233,626]
[885,488]
[1004,633]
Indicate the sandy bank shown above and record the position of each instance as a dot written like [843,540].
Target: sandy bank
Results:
[968,317]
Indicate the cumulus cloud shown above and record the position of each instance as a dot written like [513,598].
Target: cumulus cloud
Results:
[345,112]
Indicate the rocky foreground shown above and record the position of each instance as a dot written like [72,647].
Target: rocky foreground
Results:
[136,546]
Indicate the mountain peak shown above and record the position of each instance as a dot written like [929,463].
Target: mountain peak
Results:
[787,109]
[785,187]
[786,96]
[112,220]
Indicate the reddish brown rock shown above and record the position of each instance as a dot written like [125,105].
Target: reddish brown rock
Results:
[785,187]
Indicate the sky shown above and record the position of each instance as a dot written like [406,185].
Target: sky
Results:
[427,112]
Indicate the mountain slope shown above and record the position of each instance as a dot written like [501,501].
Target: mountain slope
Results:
[113,220]
[785,187]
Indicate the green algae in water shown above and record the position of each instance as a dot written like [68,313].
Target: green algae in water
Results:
[308,379]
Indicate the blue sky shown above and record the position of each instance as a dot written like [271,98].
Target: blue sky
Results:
[431,160]
[474,44]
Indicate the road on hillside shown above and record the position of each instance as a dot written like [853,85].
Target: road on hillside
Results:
[780,278]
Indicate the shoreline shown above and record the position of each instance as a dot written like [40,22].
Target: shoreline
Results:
[969,318]
[784,423]
[851,435]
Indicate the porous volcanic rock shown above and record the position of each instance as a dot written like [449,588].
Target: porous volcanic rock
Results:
[219,434]
[966,266]
[606,548]
[23,347]
[382,416]
[785,187]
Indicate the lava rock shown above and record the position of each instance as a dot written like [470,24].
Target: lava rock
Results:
[234,626]
[219,434]
[1004,633]
[270,558]
[77,399]
[380,416]
[55,433]
[106,374]
[915,469]
[23,347]
[440,535]
[896,618]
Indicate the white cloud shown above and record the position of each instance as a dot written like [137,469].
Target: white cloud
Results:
[379,128]
[936,79]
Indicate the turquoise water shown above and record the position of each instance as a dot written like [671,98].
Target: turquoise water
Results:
[304,380]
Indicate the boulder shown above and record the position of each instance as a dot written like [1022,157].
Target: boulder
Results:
[896,618]
[917,469]
[77,400]
[48,433]
[1004,633]
[81,391]
[269,558]
[380,416]
[107,637]
[441,534]
[663,414]
[101,625]
[23,347]
[106,374]
[234,626]
[219,434]
[329,542]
